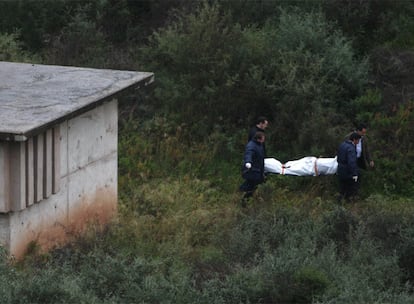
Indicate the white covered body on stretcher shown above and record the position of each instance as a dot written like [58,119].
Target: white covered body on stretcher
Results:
[306,166]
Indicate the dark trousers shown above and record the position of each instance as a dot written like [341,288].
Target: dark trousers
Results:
[348,189]
[249,186]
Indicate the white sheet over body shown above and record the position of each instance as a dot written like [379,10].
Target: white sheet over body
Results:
[306,166]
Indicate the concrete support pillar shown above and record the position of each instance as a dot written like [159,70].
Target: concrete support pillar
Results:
[4,177]
[18,175]
[29,172]
[38,165]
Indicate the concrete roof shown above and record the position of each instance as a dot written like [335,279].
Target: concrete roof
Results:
[34,97]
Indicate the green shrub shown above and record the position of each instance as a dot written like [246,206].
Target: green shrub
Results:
[80,43]
[11,49]
[339,224]
[308,284]
[394,164]
[51,286]
[297,65]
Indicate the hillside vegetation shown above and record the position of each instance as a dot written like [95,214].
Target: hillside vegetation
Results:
[315,68]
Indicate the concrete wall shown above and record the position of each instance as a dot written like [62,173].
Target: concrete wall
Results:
[79,188]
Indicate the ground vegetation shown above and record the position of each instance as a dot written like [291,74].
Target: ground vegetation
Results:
[315,68]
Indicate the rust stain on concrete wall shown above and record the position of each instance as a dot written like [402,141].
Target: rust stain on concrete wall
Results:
[96,210]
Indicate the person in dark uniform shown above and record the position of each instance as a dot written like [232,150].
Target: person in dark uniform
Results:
[347,168]
[253,165]
[364,160]
[260,124]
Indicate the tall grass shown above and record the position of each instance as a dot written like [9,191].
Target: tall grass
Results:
[182,237]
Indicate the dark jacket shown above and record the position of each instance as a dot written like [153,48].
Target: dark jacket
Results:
[253,132]
[347,160]
[254,154]
[365,159]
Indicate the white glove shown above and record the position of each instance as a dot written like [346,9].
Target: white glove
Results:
[248,165]
[355,178]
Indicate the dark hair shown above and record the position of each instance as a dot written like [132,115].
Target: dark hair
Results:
[258,135]
[354,135]
[260,119]
[361,126]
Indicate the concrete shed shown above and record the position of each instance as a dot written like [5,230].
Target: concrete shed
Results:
[58,150]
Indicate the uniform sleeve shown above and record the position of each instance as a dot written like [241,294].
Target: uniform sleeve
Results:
[252,133]
[352,161]
[248,154]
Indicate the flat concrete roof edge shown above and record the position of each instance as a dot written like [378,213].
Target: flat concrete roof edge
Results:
[82,90]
